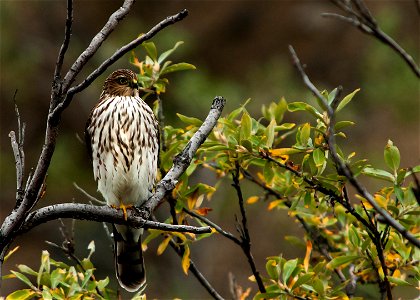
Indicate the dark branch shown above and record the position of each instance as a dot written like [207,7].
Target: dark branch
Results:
[245,237]
[219,229]
[344,168]
[99,214]
[66,42]
[117,55]
[361,18]
[200,277]
[95,43]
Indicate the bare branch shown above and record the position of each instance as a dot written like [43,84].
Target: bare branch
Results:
[214,225]
[361,18]
[183,160]
[245,237]
[117,55]
[89,196]
[66,42]
[100,214]
[96,42]
[200,277]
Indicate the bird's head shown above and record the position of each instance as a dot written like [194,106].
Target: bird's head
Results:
[122,82]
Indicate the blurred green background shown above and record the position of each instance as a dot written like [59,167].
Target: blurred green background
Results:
[240,50]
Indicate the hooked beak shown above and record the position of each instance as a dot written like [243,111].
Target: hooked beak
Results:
[134,84]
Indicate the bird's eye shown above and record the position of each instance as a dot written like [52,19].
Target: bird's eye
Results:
[122,80]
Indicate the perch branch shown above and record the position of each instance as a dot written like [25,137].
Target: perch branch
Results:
[60,96]
[361,18]
[99,214]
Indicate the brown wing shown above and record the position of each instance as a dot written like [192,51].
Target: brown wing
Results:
[88,138]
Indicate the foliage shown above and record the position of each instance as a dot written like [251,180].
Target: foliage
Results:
[347,242]
[58,280]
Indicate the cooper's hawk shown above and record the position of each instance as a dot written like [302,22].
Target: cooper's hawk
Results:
[122,139]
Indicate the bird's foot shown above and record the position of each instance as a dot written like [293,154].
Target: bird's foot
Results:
[124,208]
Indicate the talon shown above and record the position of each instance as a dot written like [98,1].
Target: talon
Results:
[124,209]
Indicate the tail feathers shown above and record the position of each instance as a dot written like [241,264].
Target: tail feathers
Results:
[129,263]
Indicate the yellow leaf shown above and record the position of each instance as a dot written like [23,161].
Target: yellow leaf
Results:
[252,199]
[252,278]
[245,294]
[274,204]
[284,151]
[186,260]
[308,255]
[11,252]
[179,235]
[163,245]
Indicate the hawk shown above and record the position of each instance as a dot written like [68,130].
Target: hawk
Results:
[122,138]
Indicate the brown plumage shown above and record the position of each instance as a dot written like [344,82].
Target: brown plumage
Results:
[122,140]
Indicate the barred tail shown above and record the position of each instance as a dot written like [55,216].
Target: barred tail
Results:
[129,263]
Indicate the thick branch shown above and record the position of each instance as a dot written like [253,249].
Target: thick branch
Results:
[99,214]
[183,160]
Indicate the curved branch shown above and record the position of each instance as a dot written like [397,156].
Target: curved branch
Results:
[99,214]
[66,42]
[361,18]
[117,55]
[95,43]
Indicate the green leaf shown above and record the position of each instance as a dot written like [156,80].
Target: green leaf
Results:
[27,270]
[341,124]
[285,126]
[288,269]
[346,100]
[354,236]
[341,260]
[190,120]
[166,54]
[246,126]
[392,156]
[398,281]
[272,271]
[319,157]
[177,67]
[302,280]
[151,49]
[24,279]
[46,295]
[56,276]
[377,173]
[21,295]
[269,132]
[305,132]
[299,106]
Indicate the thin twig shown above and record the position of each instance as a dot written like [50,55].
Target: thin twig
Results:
[361,18]
[219,229]
[200,277]
[245,237]
[66,42]
[90,197]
